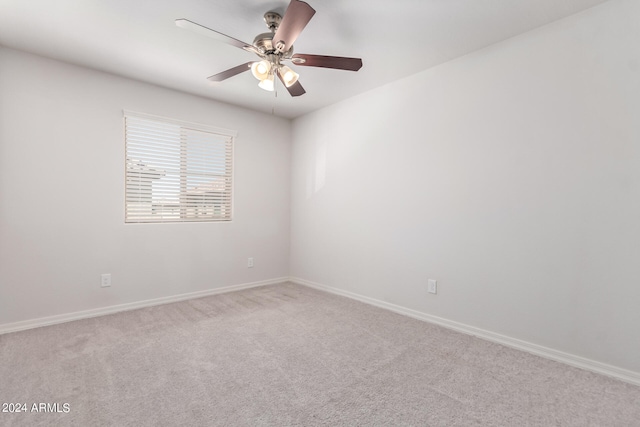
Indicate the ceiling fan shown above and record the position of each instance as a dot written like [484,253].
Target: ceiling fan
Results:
[274,48]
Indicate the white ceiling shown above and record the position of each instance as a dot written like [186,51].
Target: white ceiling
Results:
[138,39]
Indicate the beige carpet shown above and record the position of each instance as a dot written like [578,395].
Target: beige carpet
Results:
[288,355]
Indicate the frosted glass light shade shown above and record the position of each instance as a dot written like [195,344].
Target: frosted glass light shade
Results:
[260,69]
[267,83]
[289,77]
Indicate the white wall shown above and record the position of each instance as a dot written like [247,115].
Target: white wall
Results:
[511,175]
[62,193]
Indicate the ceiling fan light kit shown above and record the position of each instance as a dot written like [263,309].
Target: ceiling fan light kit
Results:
[275,47]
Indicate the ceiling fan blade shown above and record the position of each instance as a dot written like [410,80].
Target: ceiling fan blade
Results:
[337,62]
[295,89]
[230,72]
[295,18]
[201,29]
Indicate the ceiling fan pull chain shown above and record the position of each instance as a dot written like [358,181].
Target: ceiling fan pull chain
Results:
[273,106]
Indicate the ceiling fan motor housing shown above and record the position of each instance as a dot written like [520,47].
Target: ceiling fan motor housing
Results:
[264,42]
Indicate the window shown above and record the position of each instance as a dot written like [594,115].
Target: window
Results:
[176,171]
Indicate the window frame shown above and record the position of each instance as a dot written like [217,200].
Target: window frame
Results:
[183,125]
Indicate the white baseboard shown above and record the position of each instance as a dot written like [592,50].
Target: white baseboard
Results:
[549,353]
[85,314]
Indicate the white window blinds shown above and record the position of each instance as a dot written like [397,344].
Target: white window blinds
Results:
[176,171]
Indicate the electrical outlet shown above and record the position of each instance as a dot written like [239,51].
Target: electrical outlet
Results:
[432,286]
[250,262]
[105,280]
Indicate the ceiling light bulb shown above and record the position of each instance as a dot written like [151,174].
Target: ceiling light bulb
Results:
[289,77]
[267,83]
[260,70]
